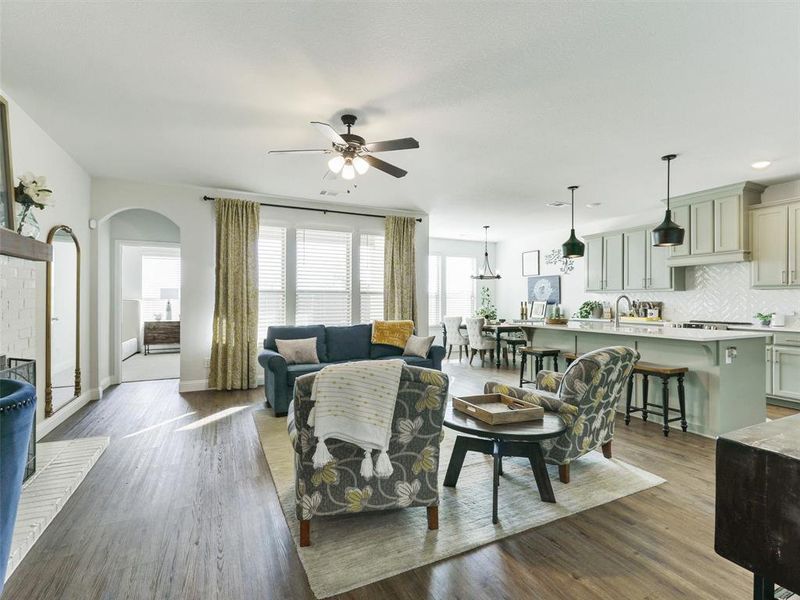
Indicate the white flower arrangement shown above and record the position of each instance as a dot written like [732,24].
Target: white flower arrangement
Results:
[31,192]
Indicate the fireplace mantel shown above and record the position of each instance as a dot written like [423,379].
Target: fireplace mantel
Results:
[19,246]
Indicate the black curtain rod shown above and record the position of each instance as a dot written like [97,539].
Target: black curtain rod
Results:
[322,210]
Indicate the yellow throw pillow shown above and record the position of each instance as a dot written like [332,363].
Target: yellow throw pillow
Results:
[392,333]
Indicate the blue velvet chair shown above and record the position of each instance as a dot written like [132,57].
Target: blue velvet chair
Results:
[17,411]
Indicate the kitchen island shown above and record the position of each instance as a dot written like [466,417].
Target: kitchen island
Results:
[727,369]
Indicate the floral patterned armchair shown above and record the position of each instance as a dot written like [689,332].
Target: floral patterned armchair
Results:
[585,397]
[339,488]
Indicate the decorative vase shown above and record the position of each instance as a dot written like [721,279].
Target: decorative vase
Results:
[27,224]
[597,312]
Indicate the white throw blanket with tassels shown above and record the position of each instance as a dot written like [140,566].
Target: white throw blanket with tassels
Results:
[354,402]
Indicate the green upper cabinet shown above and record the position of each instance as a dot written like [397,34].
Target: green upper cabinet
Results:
[775,239]
[716,225]
[626,260]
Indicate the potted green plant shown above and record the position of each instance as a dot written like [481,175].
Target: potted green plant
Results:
[487,309]
[764,318]
[590,309]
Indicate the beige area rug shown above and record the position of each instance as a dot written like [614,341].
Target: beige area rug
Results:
[353,550]
[60,469]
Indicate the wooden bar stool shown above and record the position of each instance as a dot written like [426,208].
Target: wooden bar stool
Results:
[647,370]
[539,355]
[513,343]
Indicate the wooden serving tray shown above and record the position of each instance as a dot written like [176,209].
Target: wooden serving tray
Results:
[559,321]
[494,408]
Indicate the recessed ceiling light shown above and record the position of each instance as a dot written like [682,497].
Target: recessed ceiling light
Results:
[761,164]
[593,204]
[556,204]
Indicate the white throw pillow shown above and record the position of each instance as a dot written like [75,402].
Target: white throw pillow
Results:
[418,346]
[298,352]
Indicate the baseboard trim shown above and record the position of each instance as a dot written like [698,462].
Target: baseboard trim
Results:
[193,385]
[50,423]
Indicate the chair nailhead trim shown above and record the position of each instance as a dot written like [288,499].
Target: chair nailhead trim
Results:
[17,405]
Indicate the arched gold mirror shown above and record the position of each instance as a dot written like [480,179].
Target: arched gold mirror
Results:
[62,327]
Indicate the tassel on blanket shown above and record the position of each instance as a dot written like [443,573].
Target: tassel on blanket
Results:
[383,466]
[366,465]
[321,455]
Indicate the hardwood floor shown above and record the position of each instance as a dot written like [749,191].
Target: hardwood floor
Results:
[182,505]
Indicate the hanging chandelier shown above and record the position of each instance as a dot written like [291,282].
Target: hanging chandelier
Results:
[669,233]
[486,271]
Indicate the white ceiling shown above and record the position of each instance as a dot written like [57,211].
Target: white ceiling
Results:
[510,102]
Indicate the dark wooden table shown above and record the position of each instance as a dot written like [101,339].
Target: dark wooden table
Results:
[161,332]
[496,329]
[513,439]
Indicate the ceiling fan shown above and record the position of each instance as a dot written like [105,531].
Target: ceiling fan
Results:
[352,153]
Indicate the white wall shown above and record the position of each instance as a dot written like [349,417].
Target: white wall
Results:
[33,150]
[720,292]
[195,219]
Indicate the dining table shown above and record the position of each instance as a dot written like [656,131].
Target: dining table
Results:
[496,329]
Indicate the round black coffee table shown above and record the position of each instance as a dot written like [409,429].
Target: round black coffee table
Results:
[514,439]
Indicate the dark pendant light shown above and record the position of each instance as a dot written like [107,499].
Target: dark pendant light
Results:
[486,272]
[573,247]
[669,233]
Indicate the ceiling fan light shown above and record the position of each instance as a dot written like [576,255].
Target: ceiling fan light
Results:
[361,165]
[336,163]
[348,171]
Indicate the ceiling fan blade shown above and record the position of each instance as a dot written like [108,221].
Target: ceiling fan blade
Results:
[329,132]
[299,152]
[400,144]
[382,165]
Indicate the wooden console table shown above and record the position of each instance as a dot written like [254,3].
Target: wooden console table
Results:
[161,332]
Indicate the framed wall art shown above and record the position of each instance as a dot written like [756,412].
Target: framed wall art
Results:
[6,174]
[546,288]
[530,263]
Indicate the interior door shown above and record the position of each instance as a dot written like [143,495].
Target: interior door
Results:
[786,372]
[612,261]
[769,230]
[635,254]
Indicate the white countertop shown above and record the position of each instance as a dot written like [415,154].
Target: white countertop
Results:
[658,331]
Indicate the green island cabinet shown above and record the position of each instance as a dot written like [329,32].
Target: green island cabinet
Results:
[716,223]
[626,261]
[775,243]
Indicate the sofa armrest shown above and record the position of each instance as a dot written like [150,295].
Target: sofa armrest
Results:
[436,354]
[269,359]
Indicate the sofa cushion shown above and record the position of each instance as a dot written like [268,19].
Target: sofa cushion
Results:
[418,361]
[418,346]
[384,351]
[392,333]
[298,352]
[295,371]
[348,343]
[297,332]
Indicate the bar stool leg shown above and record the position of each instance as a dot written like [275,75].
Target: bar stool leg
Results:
[555,363]
[665,403]
[645,390]
[539,365]
[629,399]
[682,400]
[523,361]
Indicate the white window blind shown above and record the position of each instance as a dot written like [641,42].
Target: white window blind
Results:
[459,287]
[323,277]
[161,279]
[371,276]
[434,290]
[271,278]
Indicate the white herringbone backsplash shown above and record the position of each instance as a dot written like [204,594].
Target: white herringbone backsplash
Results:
[721,293]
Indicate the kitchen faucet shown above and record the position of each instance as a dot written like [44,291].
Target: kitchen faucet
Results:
[616,308]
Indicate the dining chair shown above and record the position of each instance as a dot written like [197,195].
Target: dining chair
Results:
[479,343]
[452,327]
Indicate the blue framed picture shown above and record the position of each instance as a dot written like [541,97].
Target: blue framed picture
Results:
[546,288]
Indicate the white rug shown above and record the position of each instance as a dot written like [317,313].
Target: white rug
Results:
[159,365]
[353,550]
[60,468]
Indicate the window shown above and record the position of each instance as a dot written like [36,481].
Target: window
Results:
[434,290]
[271,277]
[459,287]
[323,277]
[371,276]
[161,283]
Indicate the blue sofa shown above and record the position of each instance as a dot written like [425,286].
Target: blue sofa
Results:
[334,345]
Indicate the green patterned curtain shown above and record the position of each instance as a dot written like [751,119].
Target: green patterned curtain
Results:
[399,270]
[234,346]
